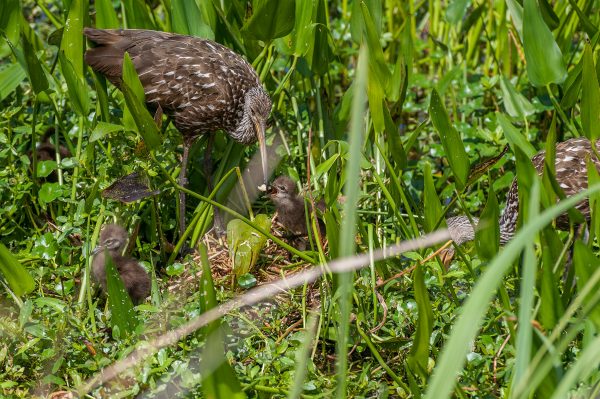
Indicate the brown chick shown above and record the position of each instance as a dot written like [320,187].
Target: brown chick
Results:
[290,206]
[113,239]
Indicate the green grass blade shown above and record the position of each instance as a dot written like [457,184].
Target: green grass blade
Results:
[419,353]
[122,315]
[590,97]
[134,98]
[529,266]
[472,312]
[37,76]
[18,278]
[348,228]
[514,137]
[76,87]
[72,43]
[431,202]
[487,237]
[451,140]
[545,64]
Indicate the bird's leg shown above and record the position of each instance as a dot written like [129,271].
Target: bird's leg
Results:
[187,143]
[208,170]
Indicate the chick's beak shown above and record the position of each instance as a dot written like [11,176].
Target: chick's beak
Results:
[260,133]
[97,249]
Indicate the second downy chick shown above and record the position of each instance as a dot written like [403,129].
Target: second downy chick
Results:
[113,239]
[291,211]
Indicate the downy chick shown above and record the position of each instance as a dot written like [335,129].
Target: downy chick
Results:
[290,206]
[113,239]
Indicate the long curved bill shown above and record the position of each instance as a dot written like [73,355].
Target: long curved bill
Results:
[260,133]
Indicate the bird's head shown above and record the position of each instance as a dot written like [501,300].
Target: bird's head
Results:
[257,107]
[283,190]
[461,230]
[112,238]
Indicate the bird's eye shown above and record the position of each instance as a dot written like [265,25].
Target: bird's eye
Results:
[281,188]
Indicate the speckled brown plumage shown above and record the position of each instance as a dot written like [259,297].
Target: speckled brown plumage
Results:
[571,175]
[290,206]
[202,85]
[113,239]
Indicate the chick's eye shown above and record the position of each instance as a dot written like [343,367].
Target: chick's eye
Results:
[281,188]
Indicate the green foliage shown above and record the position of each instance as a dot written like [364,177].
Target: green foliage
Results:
[447,84]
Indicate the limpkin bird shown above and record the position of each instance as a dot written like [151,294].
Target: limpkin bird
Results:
[202,85]
[290,206]
[571,175]
[113,239]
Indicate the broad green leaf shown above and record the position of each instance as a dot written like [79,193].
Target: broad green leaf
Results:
[544,58]
[133,92]
[122,314]
[37,76]
[137,15]
[10,78]
[72,39]
[245,243]
[487,237]
[357,25]
[419,353]
[76,87]
[451,140]
[590,97]
[49,192]
[303,28]
[456,10]
[187,19]
[514,137]
[44,168]
[17,277]
[104,128]
[218,378]
[10,19]
[350,215]
[271,19]
[431,202]
[106,17]
[515,103]
[247,281]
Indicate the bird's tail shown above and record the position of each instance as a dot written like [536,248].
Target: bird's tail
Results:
[102,36]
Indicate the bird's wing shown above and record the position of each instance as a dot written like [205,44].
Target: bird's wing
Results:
[176,71]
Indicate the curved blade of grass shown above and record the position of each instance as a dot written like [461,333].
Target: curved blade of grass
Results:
[348,228]
[514,137]
[544,58]
[590,97]
[431,202]
[75,86]
[487,237]
[471,315]
[515,103]
[453,145]
[18,278]
[35,71]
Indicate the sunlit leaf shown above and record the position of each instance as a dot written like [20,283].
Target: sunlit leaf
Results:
[44,168]
[544,58]
[245,243]
[419,353]
[104,128]
[10,78]
[271,19]
[303,28]
[137,15]
[10,20]
[187,19]
[17,277]
[106,17]
[515,103]
[514,137]
[72,40]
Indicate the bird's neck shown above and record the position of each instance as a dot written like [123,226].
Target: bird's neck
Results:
[244,131]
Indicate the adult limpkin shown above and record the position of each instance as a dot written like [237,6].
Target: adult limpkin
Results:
[571,175]
[202,85]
